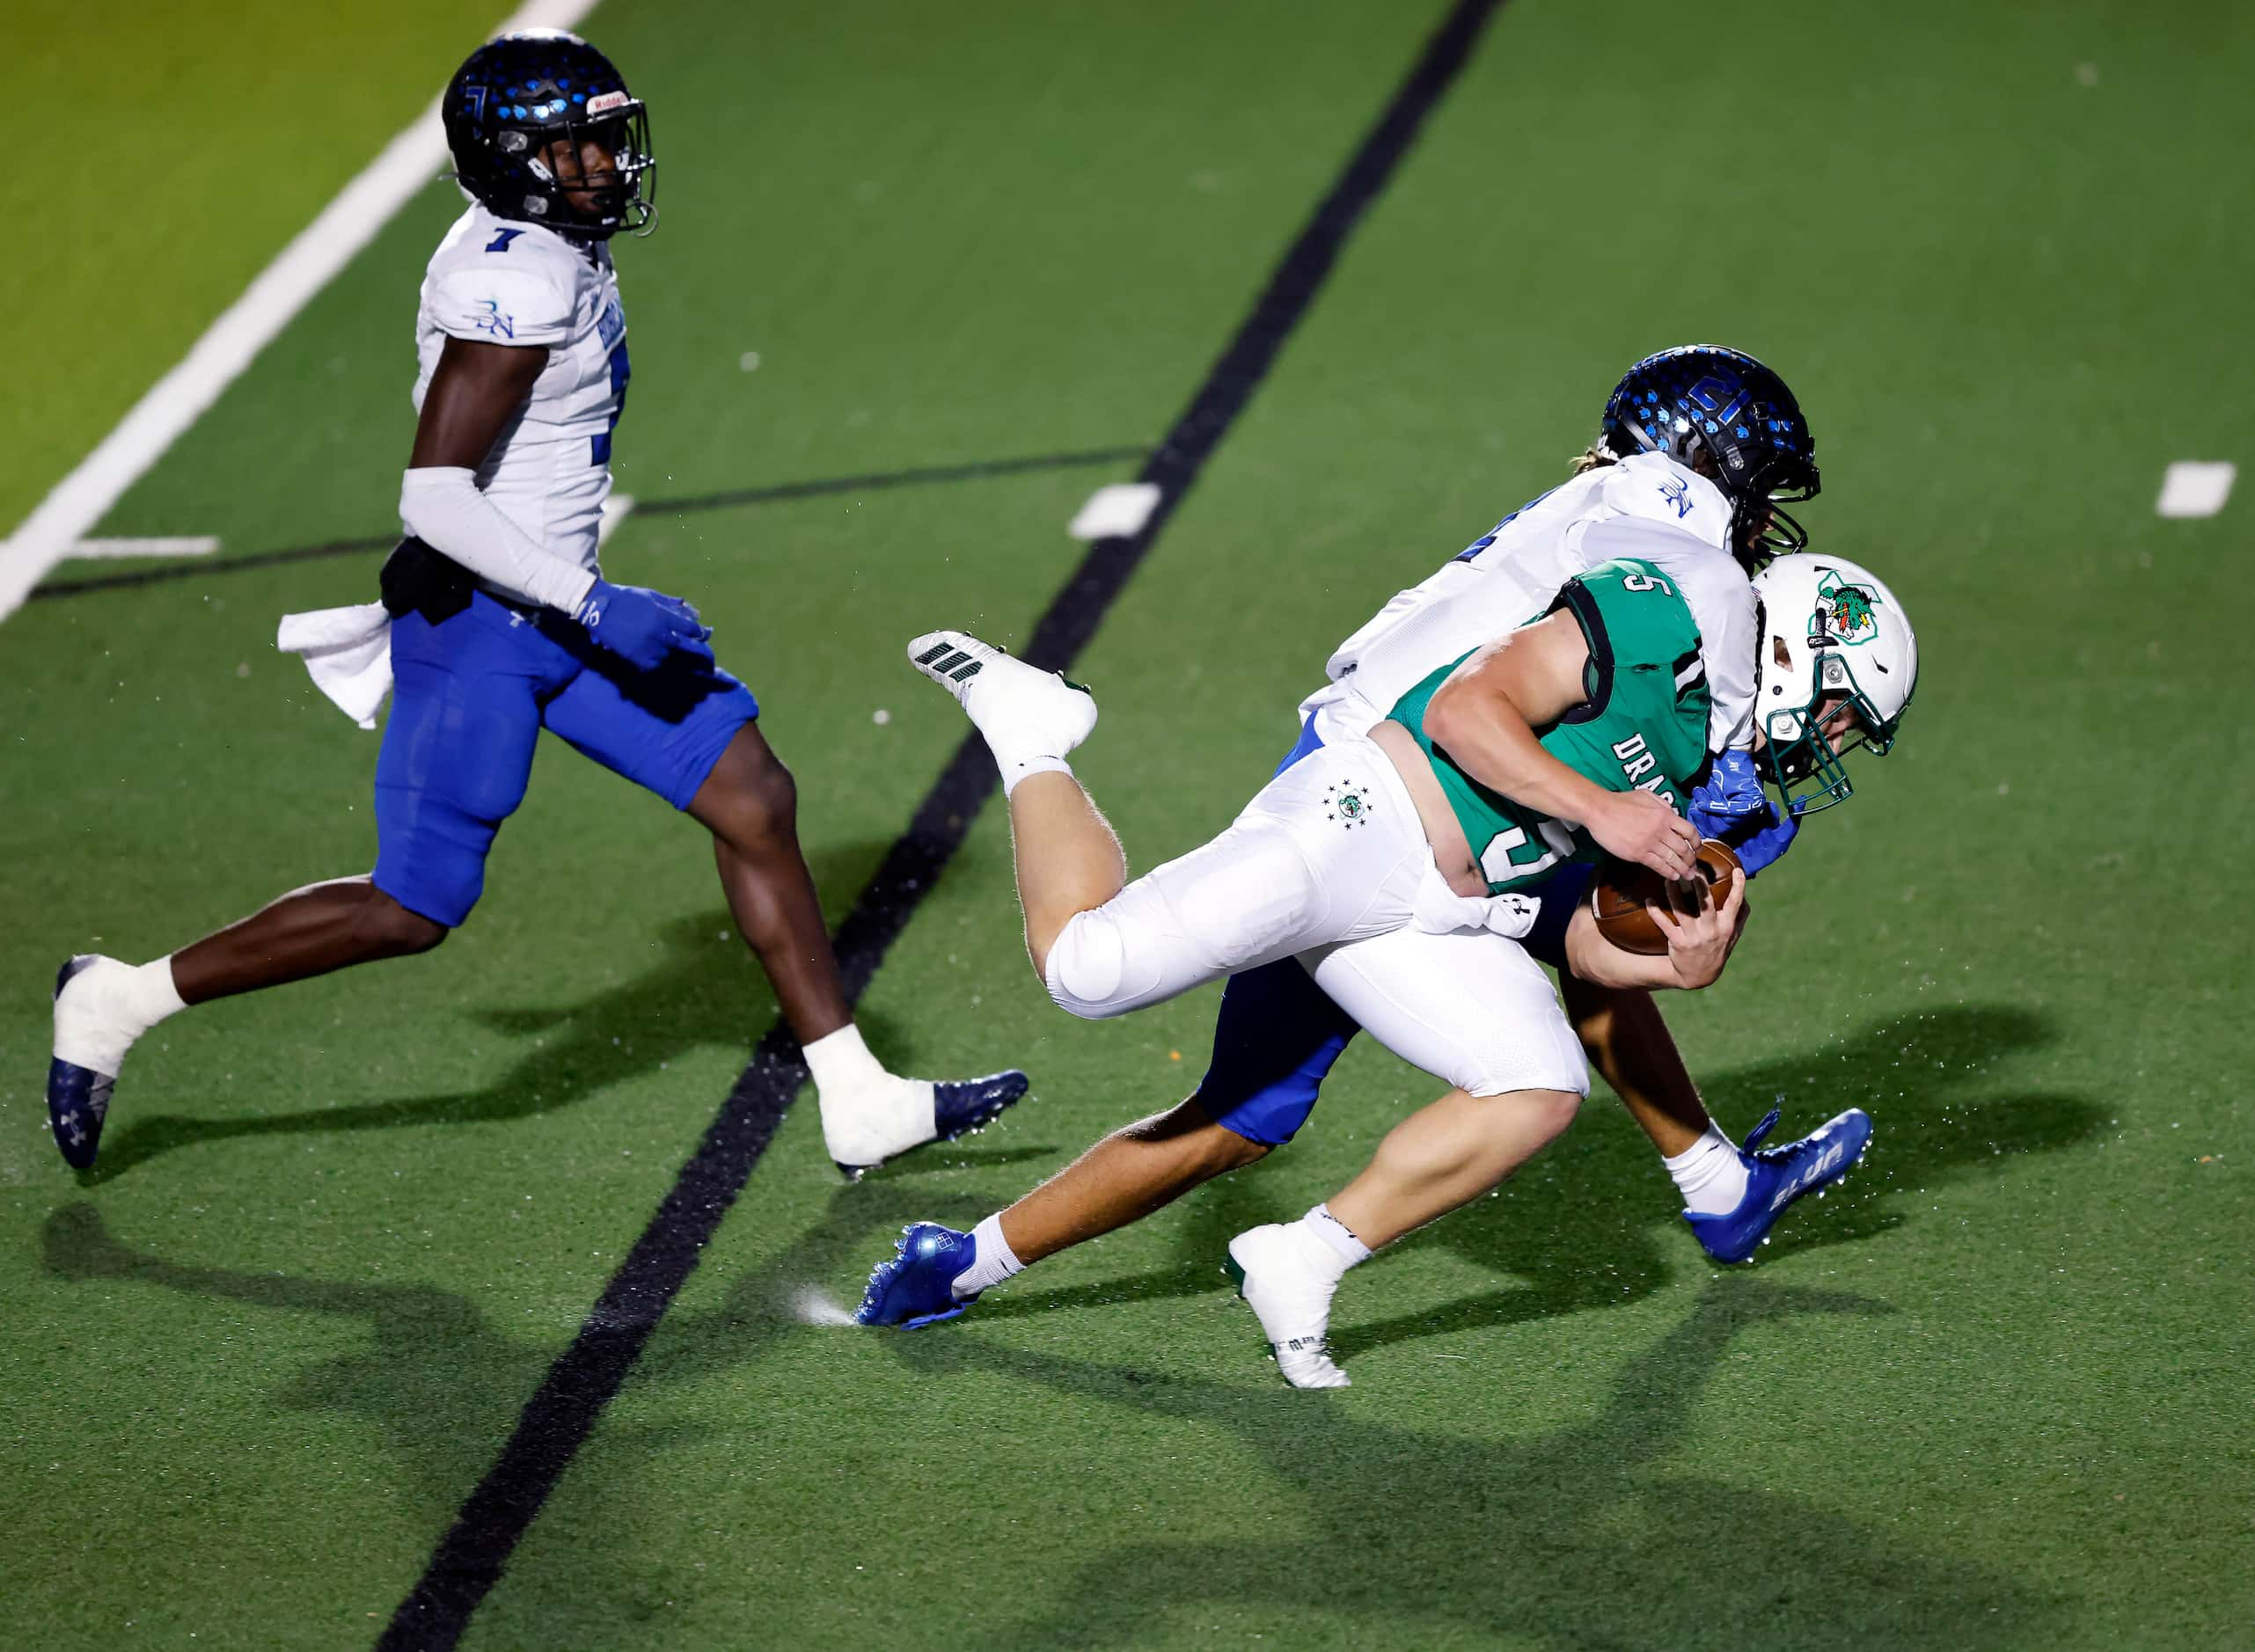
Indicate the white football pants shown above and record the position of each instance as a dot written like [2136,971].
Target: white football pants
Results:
[1330,850]
[1470,1007]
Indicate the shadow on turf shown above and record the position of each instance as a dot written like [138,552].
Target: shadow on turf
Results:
[700,992]
[1582,1537]
[1590,1224]
[439,1381]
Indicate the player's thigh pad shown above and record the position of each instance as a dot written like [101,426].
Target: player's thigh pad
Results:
[663,729]
[1227,905]
[1470,1007]
[1301,866]
[458,750]
[1275,1041]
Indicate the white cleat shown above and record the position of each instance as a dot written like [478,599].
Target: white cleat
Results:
[1291,1295]
[1025,712]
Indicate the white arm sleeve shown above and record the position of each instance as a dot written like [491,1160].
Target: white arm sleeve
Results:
[442,507]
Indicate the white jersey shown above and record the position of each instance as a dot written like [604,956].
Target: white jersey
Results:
[498,281]
[1647,506]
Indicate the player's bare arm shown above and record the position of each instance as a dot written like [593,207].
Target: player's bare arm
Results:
[477,392]
[1486,715]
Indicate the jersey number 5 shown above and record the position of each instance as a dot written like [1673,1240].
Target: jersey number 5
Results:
[1496,862]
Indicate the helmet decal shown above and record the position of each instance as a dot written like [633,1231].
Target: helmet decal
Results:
[1845,613]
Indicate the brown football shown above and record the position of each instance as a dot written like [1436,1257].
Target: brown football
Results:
[1617,899]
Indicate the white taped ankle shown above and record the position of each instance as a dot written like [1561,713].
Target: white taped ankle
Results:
[841,1061]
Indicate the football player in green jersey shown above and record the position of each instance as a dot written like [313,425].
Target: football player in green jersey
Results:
[1407,986]
[1430,820]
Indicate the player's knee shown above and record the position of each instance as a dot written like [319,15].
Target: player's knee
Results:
[392,931]
[1084,966]
[761,809]
[1217,1148]
[1548,1112]
[1227,1150]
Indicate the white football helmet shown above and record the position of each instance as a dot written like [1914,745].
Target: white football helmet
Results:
[1832,634]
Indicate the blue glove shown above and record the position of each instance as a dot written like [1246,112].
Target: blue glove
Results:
[1732,795]
[1732,808]
[641,626]
[1764,840]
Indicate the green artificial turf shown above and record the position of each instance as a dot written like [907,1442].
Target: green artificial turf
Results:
[1991,1394]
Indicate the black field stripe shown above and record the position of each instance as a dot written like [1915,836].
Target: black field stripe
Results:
[775,492]
[558,1417]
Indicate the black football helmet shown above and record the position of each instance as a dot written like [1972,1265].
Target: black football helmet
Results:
[1703,398]
[516,96]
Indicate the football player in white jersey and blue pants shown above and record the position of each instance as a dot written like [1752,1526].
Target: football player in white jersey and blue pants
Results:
[502,624]
[1698,445]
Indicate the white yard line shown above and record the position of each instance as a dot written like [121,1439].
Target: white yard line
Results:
[2192,487]
[191,545]
[1116,511]
[176,401]
[614,511]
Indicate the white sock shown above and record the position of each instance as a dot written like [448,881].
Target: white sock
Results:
[1017,769]
[1709,1173]
[992,1262]
[1336,1249]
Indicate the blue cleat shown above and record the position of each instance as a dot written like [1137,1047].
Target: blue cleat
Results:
[960,1107]
[1776,1176]
[77,1097]
[913,1288]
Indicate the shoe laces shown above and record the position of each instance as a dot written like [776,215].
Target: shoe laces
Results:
[1754,1136]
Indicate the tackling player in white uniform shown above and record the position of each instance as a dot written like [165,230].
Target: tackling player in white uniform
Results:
[499,622]
[1470,1006]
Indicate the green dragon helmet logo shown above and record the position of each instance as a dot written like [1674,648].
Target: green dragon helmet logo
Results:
[1846,613]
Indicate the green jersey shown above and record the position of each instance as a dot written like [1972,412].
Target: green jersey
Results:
[1644,727]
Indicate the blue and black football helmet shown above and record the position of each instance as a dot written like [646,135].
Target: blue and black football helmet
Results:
[517,96]
[1701,399]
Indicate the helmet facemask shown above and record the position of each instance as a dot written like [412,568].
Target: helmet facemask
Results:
[1798,750]
[623,132]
